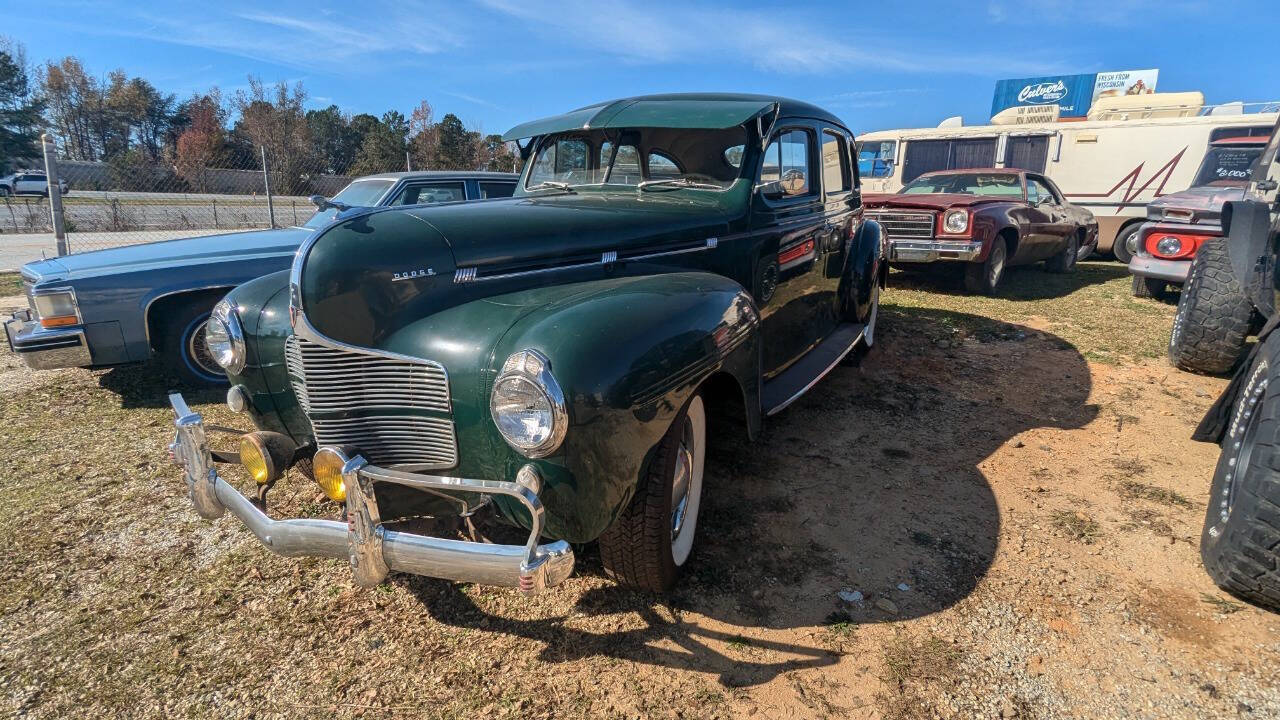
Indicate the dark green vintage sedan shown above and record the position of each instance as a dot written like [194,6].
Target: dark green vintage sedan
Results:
[668,264]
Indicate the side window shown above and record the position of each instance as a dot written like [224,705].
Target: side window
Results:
[496,189]
[1033,192]
[787,160]
[835,163]
[1041,190]
[431,193]
[661,166]
[875,158]
[565,161]
[626,166]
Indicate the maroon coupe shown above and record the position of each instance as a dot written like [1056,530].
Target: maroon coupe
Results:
[987,218]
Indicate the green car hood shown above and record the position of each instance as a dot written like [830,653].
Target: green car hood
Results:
[366,277]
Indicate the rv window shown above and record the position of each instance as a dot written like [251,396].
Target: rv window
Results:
[1027,153]
[924,156]
[1239,131]
[875,158]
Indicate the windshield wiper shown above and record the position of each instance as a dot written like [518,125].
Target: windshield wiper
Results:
[680,181]
[551,185]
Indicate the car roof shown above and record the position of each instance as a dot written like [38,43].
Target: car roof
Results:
[1243,140]
[691,110]
[957,171]
[442,175]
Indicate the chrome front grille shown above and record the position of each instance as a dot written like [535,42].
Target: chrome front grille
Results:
[905,224]
[385,407]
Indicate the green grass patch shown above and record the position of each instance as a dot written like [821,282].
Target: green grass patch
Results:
[1134,490]
[1091,308]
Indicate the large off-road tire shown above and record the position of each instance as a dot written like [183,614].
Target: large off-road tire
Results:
[649,543]
[1124,239]
[1065,261]
[983,278]
[1214,316]
[1145,287]
[1240,545]
[182,345]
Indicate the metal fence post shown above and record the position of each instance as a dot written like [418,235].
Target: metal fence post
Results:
[266,184]
[215,213]
[55,192]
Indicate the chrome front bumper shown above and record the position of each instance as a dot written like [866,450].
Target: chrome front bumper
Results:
[930,250]
[43,349]
[373,550]
[1174,271]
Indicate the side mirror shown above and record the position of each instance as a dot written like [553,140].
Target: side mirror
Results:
[793,182]
[319,201]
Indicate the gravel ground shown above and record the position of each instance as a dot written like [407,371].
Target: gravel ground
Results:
[994,515]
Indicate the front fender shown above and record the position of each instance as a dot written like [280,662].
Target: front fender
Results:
[628,353]
[865,268]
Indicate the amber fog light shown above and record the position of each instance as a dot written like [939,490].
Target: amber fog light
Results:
[265,455]
[327,466]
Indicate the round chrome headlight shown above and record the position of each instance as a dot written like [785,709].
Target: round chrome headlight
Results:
[528,406]
[956,221]
[1169,245]
[225,338]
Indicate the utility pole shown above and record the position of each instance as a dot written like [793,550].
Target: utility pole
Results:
[55,192]
[266,184]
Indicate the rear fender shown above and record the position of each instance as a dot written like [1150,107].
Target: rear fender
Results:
[1248,228]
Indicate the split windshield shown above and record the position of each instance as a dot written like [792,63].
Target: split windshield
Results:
[666,158]
[1228,166]
[999,184]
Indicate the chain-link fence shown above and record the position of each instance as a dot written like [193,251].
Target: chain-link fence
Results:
[130,200]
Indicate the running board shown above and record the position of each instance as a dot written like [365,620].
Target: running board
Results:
[796,380]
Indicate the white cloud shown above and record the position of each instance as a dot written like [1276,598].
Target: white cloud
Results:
[771,41]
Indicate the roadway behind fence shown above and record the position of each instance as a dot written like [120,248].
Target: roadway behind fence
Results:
[110,204]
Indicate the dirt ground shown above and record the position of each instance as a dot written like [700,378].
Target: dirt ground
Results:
[1007,484]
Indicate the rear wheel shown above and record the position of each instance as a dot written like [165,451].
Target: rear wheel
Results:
[1126,244]
[1240,545]
[1065,261]
[183,346]
[651,540]
[1214,316]
[5,191]
[985,277]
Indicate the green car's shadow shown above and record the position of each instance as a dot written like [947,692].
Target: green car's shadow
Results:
[1028,282]
[147,385]
[868,484]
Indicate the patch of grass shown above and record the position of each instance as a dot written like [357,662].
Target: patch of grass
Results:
[1221,604]
[841,624]
[10,283]
[1092,308]
[917,670]
[1077,526]
[1134,490]
[1129,467]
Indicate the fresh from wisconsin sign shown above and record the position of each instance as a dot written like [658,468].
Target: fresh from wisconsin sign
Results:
[1073,94]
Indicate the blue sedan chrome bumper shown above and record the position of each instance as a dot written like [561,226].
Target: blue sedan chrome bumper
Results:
[372,549]
[46,349]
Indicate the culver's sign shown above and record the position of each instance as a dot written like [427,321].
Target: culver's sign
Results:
[1043,93]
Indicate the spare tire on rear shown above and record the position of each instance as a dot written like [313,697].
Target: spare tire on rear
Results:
[1214,316]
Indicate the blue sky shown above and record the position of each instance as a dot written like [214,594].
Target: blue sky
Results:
[498,62]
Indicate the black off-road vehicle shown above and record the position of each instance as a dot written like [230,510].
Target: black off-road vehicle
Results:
[1240,545]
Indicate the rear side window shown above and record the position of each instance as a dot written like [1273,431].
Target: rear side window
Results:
[431,193]
[835,163]
[787,159]
[496,189]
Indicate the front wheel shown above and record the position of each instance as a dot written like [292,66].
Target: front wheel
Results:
[184,349]
[1214,316]
[649,543]
[1126,244]
[1145,287]
[5,192]
[1240,545]
[984,278]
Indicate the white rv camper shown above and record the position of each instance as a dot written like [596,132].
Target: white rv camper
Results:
[1130,150]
